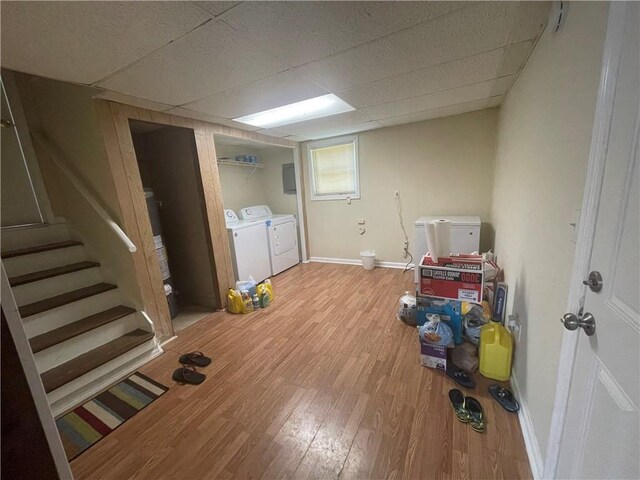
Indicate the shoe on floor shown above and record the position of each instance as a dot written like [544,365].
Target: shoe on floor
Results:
[460,376]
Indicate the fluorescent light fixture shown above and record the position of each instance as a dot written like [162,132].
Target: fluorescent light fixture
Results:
[297,112]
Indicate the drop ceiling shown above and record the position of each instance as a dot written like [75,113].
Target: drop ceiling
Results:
[395,62]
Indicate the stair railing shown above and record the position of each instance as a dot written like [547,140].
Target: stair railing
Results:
[51,151]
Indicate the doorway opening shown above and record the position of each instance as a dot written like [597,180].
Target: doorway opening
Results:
[167,158]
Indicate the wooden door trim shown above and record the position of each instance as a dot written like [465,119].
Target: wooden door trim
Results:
[586,228]
[114,122]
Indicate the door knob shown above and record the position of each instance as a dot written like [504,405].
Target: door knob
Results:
[6,123]
[586,322]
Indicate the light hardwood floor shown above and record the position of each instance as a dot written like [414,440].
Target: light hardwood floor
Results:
[325,383]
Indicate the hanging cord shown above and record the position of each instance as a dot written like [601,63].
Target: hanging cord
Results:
[404,232]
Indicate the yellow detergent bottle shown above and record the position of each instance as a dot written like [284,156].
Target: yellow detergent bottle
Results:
[495,352]
[234,301]
[267,283]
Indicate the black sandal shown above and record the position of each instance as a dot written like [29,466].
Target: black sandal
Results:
[504,397]
[189,375]
[458,403]
[195,358]
[476,420]
[461,377]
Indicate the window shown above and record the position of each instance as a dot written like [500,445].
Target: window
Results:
[333,168]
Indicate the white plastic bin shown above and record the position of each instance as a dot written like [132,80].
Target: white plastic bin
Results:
[368,259]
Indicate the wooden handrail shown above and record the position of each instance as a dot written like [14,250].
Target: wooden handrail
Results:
[77,183]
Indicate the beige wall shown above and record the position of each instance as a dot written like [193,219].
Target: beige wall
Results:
[440,167]
[238,188]
[542,152]
[64,113]
[263,187]
[279,202]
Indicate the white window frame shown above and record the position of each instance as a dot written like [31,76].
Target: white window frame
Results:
[330,142]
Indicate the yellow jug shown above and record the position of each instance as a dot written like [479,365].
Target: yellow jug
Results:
[496,351]
[234,301]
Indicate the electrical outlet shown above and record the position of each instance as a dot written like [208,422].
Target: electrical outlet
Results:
[361,221]
[396,194]
[405,249]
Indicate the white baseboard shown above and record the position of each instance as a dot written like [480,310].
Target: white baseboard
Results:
[530,440]
[351,261]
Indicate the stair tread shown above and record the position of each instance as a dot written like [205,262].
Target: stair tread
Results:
[74,329]
[40,248]
[51,272]
[65,373]
[64,298]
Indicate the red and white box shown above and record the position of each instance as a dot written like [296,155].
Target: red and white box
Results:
[458,277]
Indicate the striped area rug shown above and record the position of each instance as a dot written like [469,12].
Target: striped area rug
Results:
[89,423]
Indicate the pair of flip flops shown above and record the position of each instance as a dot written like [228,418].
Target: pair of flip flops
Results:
[468,410]
[504,397]
[188,373]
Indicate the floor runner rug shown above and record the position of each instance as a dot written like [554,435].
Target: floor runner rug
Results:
[87,424]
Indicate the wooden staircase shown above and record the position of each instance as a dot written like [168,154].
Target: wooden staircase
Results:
[82,334]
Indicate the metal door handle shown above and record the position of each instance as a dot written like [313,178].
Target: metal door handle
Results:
[6,123]
[587,322]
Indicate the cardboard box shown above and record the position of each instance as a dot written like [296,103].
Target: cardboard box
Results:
[433,356]
[454,278]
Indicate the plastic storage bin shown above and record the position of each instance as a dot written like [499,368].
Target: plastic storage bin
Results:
[368,259]
[495,352]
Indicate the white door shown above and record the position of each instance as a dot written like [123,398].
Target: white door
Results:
[601,433]
[19,203]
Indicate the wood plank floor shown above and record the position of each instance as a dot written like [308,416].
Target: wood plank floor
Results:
[325,383]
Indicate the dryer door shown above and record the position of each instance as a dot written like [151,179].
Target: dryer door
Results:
[284,246]
[284,237]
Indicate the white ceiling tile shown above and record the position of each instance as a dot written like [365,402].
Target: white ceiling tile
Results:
[216,8]
[457,73]
[478,28]
[529,20]
[515,57]
[275,91]
[209,60]
[441,99]
[299,32]
[133,101]
[183,112]
[443,111]
[86,41]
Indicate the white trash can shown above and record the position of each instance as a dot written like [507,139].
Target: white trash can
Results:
[368,259]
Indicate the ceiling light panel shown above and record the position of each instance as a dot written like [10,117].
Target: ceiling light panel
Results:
[309,109]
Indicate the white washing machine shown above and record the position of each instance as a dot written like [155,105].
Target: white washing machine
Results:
[282,232]
[249,247]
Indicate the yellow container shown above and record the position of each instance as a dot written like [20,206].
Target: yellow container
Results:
[234,301]
[496,351]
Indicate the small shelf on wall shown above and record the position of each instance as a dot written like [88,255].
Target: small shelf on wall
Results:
[224,161]
[253,166]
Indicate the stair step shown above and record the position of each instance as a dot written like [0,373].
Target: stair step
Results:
[52,272]
[63,299]
[40,248]
[65,373]
[74,329]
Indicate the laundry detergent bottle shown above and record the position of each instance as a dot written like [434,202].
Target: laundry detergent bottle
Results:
[234,301]
[495,351]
